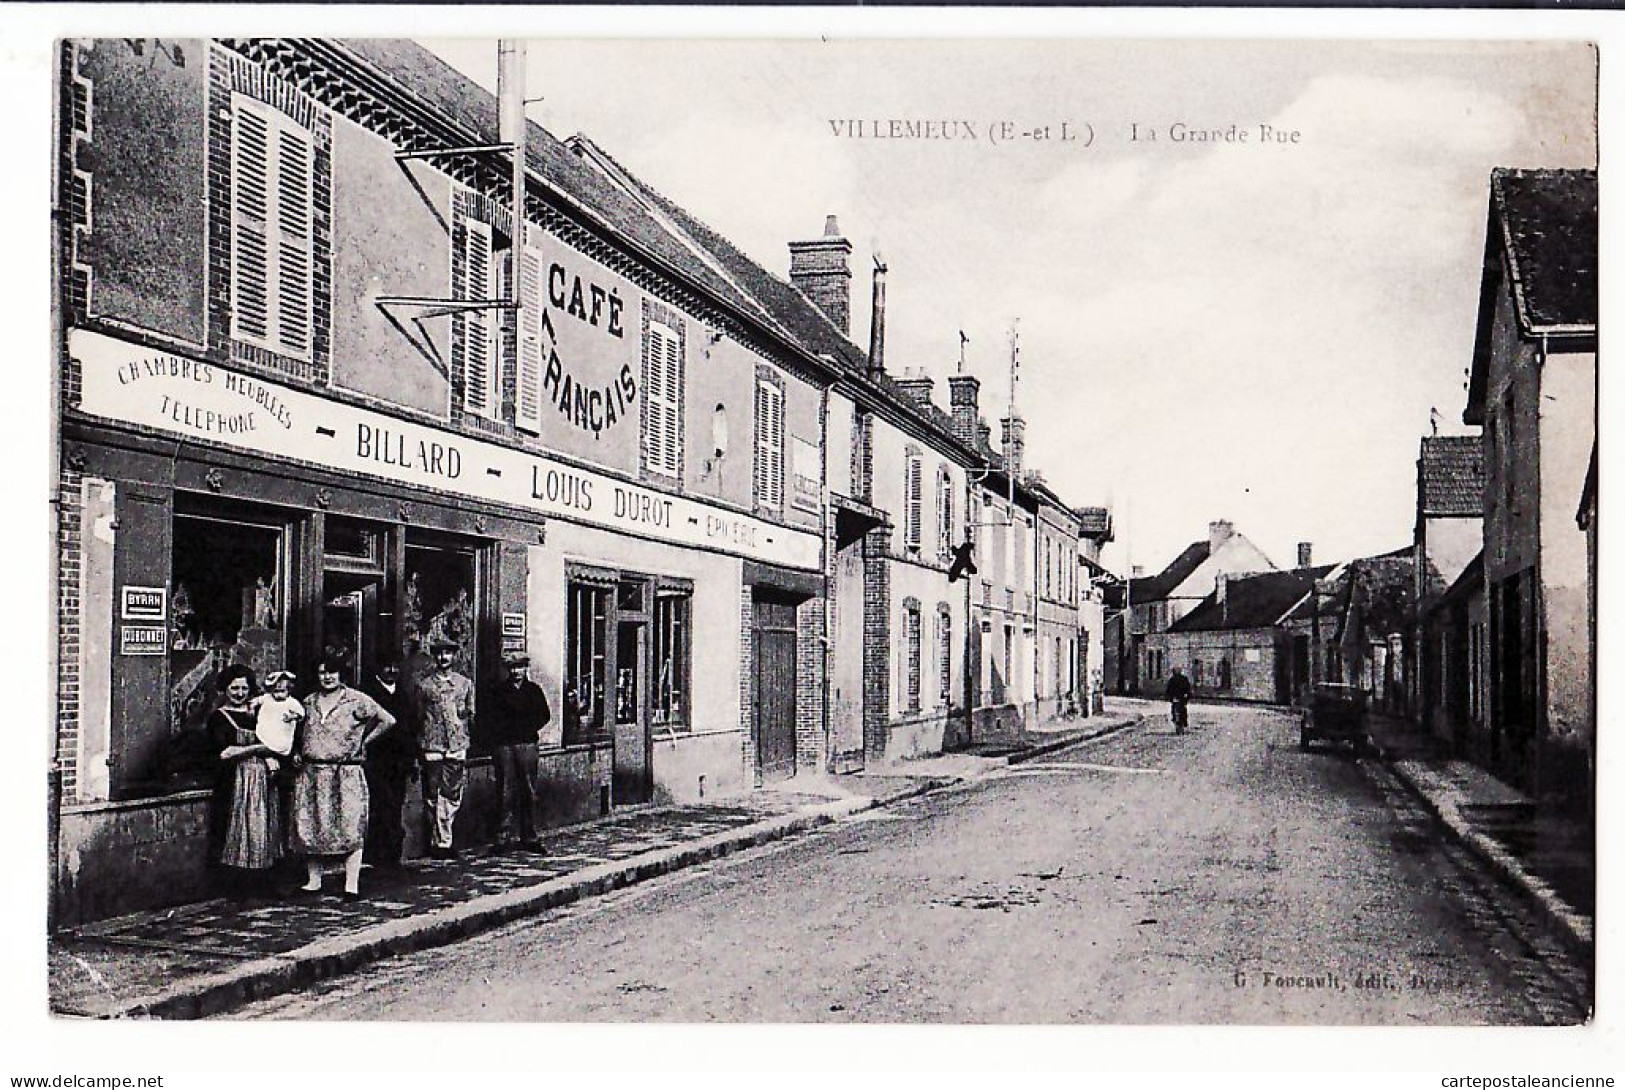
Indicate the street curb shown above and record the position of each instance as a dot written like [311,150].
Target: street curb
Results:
[1065,743]
[1575,930]
[263,978]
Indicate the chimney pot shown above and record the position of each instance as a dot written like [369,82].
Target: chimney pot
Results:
[1218,532]
[1305,554]
[1137,571]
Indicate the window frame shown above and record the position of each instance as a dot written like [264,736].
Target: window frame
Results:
[679,682]
[913,499]
[767,473]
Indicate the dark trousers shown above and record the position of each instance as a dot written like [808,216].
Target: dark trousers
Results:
[516,778]
[386,787]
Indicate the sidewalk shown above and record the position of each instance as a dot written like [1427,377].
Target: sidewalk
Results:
[1543,856]
[202,959]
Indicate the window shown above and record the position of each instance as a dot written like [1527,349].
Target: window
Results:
[913,499]
[672,658]
[1196,671]
[911,641]
[1224,673]
[945,514]
[663,397]
[769,443]
[272,260]
[586,654]
[945,659]
[475,279]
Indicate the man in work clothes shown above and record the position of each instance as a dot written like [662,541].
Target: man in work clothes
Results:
[512,716]
[445,708]
[389,764]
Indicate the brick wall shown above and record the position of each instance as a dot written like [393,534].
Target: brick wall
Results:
[876,640]
[810,691]
[70,507]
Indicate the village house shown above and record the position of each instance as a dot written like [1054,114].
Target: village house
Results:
[1449,537]
[1153,603]
[1533,391]
[1234,644]
[312,419]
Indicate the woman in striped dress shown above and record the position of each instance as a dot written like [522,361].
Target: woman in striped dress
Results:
[253,825]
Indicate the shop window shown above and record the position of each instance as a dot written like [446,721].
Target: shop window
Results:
[769,477]
[672,651]
[273,168]
[441,581]
[586,657]
[227,606]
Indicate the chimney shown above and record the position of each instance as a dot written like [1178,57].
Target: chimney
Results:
[918,387]
[962,395]
[1014,433]
[1137,572]
[1218,532]
[1305,554]
[819,268]
[877,321]
[984,433]
[511,126]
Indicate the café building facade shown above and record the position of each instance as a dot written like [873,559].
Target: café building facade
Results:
[320,393]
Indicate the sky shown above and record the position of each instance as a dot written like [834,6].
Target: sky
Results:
[1251,331]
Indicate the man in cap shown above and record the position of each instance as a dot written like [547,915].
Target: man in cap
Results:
[512,716]
[444,702]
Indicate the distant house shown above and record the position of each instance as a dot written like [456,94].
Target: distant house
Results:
[1449,537]
[1153,603]
[1233,645]
[1533,390]
[1094,531]
[1351,628]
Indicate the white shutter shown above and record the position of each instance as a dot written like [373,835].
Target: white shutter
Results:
[528,380]
[272,231]
[915,502]
[775,446]
[663,385]
[250,223]
[295,168]
[478,359]
[759,416]
[945,515]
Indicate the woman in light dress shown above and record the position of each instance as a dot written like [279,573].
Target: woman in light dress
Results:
[330,804]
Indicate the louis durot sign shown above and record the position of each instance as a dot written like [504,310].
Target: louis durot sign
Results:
[135,385]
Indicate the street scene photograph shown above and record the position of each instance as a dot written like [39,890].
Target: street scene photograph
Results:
[957,531]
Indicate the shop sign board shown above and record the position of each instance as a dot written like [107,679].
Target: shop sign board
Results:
[143,639]
[144,603]
[132,384]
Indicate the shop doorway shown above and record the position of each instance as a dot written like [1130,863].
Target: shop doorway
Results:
[350,623]
[633,770]
[773,687]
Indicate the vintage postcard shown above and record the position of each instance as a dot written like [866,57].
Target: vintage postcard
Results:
[982,530]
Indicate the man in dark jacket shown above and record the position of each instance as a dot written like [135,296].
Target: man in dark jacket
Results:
[390,762]
[511,719]
[1178,692]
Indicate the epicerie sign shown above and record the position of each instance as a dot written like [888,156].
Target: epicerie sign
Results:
[149,388]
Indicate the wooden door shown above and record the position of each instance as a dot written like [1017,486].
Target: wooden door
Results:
[774,688]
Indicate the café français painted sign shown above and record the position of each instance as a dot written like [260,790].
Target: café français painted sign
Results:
[136,385]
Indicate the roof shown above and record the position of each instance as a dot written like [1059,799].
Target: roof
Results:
[1152,588]
[1450,476]
[1542,233]
[1251,601]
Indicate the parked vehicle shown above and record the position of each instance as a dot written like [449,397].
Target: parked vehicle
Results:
[1336,713]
